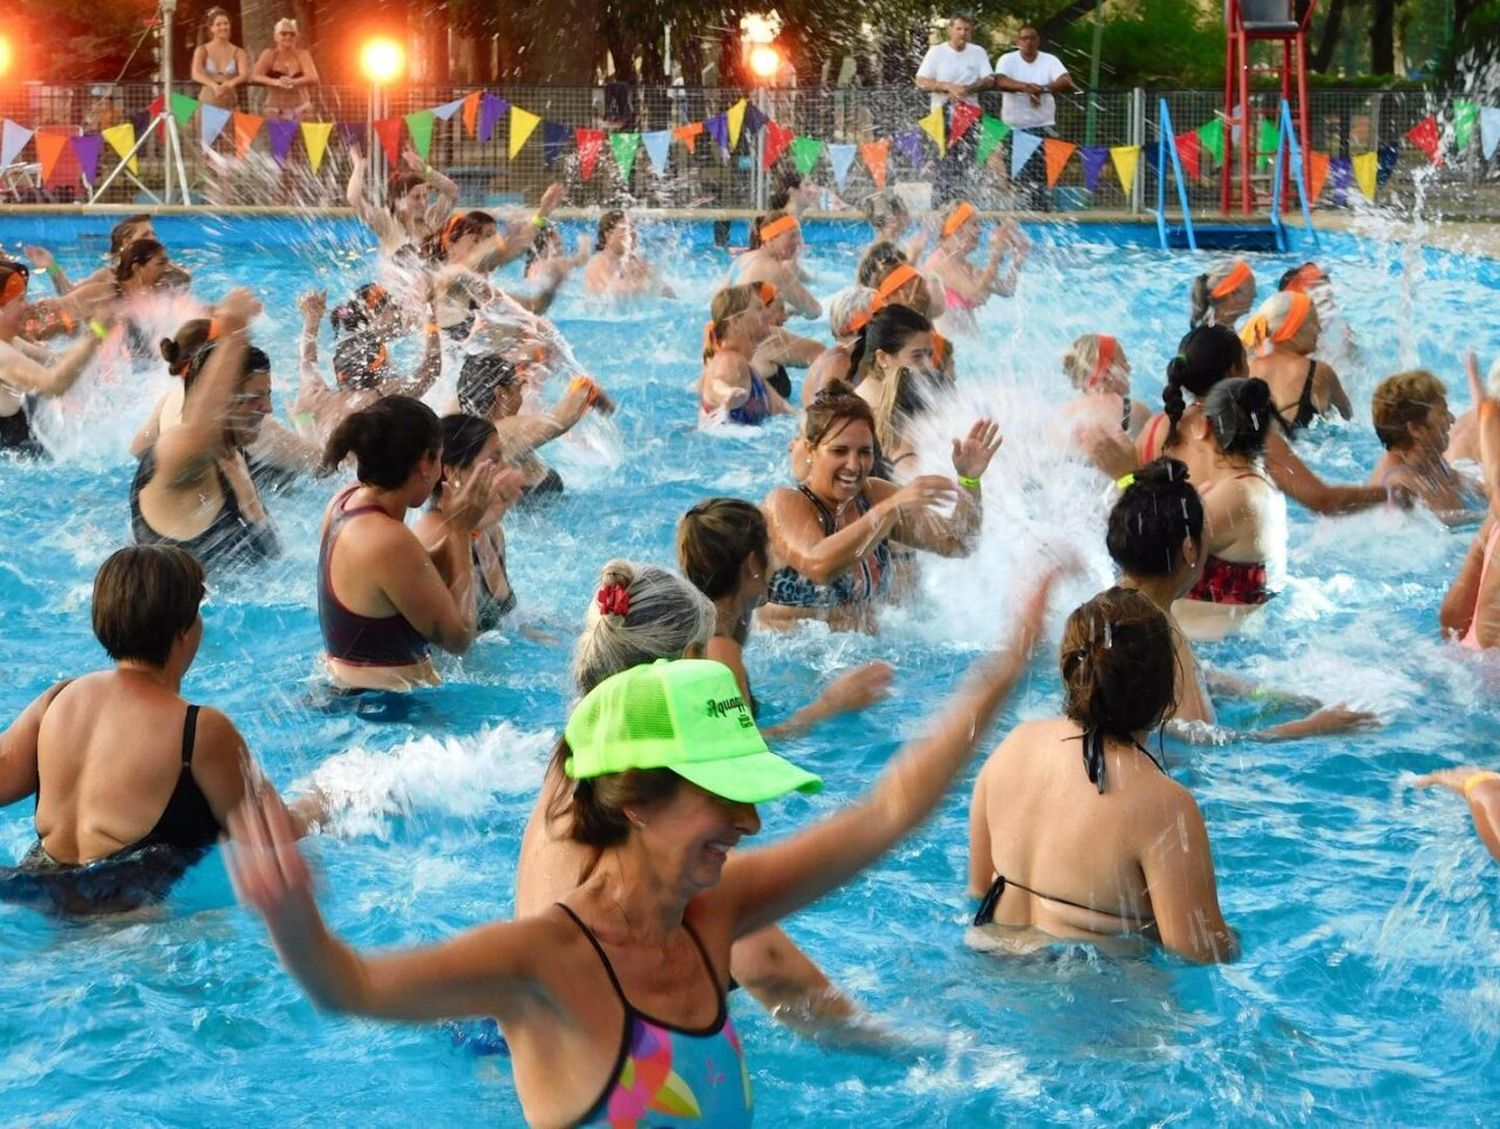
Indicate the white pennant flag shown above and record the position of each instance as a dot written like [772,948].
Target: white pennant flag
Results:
[1022,146]
[448,109]
[1489,130]
[13,139]
[212,121]
[841,157]
[658,145]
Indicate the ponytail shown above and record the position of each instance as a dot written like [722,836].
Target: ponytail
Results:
[387,440]
[1199,302]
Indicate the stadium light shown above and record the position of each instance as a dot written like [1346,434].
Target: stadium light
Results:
[382,60]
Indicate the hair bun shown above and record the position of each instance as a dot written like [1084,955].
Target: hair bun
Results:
[1164,471]
[1254,395]
[169,352]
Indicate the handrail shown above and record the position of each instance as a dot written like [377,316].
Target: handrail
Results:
[1167,141]
[1287,147]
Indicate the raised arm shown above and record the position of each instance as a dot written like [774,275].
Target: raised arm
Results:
[43,259]
[953,536]
[520,435]
[20,371]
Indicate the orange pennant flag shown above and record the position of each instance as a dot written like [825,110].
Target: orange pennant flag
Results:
[246,126]
[1317,175]
[1058,154]
[471,113]
[874,154]
[49,151]
[688,135]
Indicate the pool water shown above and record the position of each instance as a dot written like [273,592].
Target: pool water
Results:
[1369,986]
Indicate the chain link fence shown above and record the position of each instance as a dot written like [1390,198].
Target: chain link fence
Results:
[1343,123]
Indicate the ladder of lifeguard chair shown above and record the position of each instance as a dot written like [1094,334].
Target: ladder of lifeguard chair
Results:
[1288,148]
[1167,143]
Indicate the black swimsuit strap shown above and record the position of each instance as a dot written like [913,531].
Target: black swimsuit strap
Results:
[1094,764]
[825,515]
[609,969]
[189,735]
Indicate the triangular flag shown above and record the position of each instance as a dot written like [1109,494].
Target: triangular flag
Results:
[1465,118]
[1317,175]
[1489,130]
[992,131]
[471,113]
[624,145]
[1188,150]
[121,139]
[1270,138]
[419,125]
[49,149]
[964,115]
[909,143]
[1388,156]
[13,139]
[140,119]
[1125,158]
[152,111]
[1023,147]
[246,126]
[446,111]
[86,150]
[352,134]
[1340,177]
[874,154]
[211,123]
[522,122]
[315,140]
[736,120]
[841,157]
[555,138]
[755,121]
[718,128]
[778,137]
[282,132]
[1093,157]
[183,108]
[658,145]
[1424,135]
[805,154]
[491,110]
[1366,172]
[934,127]
[1057,154]
[1211,138]
[590,144]
[688,135]
[388,131]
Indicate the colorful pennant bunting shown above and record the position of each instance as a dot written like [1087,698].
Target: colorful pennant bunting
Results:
[387,131]
[1465,118]
[736,120]
[1189,148]
[1426,137]
[282,132]
[841,157]
[13,139]
[315,140]
[1317,175]
[555,138]
[1057,154]
[86,151]
[419,125]
[522,123]
[805,154]
[1366,172]
[121,138]
[778,137]
[590,145]
[1125,158]
[446,111]
[961,118]
[1489,130]
[992,131]
[1093,158]
[1211,139]
[934,127]
[183,109]
[491,110]
[658,145]
[717,127]
[1023,146]
[875,154]
[471,113]
[688,135]
[624,146]
[49,150]
[211,123]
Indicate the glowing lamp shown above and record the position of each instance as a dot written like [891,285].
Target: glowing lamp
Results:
[4,54]
[382,60]
[765,61]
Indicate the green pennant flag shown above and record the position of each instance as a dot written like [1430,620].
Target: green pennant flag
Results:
[1465,117]
[992,131]
[420,126]
[1211,138]
[805,154]
[624,145]
[1270,137]
[183,109]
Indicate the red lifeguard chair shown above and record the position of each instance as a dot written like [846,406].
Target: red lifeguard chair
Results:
[1248,22]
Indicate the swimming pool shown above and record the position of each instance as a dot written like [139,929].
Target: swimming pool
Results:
[1369,988]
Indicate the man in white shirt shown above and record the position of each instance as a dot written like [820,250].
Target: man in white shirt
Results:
[957,69]
[1029,78]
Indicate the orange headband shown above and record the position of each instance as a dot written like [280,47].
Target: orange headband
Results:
[767,291]
[1108,347]
[447,232]
[1238,275]
[1295,317]
[961,215]
[1307,275]
[214,329]
[779,226]
[710,337]
[15,287]
[900,275]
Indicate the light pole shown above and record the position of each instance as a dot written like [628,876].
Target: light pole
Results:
[382,59]
[757,34]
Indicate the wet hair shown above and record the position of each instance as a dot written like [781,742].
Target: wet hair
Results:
[435,247]
[145,596]
[481,380]
[881,207]
[847,305]
[400,183]
[1119,671]
[1152,517]
[879,259]
[1401,399]
[136,255]
[728,303]
[834,408]
[1241,413]
[763,221]
[887,332]
[714,539]
[1082,358]
[119,235]
[387,440]
[464,438]
[545,244]
[904,394]
[255,361]
[781,194]
[360,361]
[1205,356]
[607,223]
[1201,301]
[178,349]
[360,311]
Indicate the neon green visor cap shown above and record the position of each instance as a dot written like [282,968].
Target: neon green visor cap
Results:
[687,715]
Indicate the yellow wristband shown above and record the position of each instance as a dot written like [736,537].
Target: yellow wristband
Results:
[1125,480]
[1477,779]
[539,220]
[968,483]
[432,327]
[101,331]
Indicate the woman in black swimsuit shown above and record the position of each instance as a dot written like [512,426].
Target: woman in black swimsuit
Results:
[132,784]
[1075,827]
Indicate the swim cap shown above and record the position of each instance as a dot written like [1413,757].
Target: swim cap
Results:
[687,715]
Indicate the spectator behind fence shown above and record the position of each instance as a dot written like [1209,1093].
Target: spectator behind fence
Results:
[288,73]
[956,69]
[220,67]
[1030,77]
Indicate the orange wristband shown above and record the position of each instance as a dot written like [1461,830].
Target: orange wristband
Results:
[1476,780]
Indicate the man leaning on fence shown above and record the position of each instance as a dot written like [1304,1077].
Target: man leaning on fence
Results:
[958,70]
[1029,78]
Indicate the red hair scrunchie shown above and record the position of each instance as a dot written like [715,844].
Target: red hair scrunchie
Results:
[613,599]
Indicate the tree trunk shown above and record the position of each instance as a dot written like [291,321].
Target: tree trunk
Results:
[257,18]
[1322,58]
[1383,37]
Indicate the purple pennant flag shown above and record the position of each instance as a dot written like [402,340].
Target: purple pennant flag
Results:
[1094,157]
[491,109]
[352,134]
[140,120]
[555,139]
[86,149]
[282,133]
[910,144]
[754,120]
[718,128]
[1340,178]
[1385,161]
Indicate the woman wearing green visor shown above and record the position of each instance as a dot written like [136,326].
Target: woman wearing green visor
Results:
[613,1000]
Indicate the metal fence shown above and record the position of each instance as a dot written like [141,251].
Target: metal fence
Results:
[1343,123]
